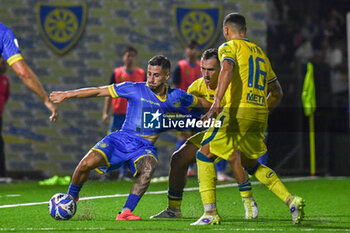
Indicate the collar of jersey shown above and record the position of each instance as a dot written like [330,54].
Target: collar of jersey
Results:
[166,93]
[246,39]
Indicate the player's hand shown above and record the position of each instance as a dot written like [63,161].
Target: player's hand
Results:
[53,108]
[58,96]
[214,110]
[105,118]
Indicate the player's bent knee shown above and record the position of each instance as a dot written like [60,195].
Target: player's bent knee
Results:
[147,164]
[180,159]
[252,170]
[84,166]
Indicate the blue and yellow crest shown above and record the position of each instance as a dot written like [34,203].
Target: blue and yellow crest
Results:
[61,25]
[198,23]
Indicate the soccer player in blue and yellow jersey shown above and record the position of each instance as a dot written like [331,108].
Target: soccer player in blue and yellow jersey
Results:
[244,81]
[128,72]
[204,87]
[134,143]
[9,50]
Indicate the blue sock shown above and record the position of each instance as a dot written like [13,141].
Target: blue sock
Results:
[221,165]
[191,166]
[245,186]
[263,159]
[74,190]
[132,201]
[123,169]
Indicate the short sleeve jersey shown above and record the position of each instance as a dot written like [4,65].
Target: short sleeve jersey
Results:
[252,72]
[146,110]
[120,74]
[9,46]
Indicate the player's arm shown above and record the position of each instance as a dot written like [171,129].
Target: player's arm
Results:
[108,102]
[275,94]
[30,79]
[203,103]
[60,96]
[199,101]
[224,80]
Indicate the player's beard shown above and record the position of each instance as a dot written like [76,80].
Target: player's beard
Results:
[156,89]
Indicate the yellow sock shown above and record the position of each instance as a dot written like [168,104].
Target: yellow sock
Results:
[174,204]
[207,181]
[246,194]
[269,178]
[245,189]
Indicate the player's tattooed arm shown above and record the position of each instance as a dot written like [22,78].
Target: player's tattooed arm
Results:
[275,94]
[146,167]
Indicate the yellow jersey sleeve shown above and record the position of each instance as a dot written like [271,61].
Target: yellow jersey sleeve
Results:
[14,59]
[271,76]
[194,88]
[195,101]
[227,52]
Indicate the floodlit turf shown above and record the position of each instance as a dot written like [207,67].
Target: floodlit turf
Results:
[327,209]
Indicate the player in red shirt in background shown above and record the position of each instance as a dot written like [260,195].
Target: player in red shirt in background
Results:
[4,96]
[128,72]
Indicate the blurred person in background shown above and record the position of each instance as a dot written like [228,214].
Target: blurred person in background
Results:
[4,96]
[9,50]
[128,72]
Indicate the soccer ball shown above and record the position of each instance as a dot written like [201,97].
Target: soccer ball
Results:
[62,206]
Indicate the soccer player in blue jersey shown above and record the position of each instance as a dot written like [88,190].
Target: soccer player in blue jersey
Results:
[148,102]
[9,50]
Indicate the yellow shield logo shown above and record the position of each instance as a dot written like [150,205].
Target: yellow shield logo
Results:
[198,23]
[61,25]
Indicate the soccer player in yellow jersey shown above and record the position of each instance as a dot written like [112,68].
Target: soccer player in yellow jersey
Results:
[204,87]
[245,79]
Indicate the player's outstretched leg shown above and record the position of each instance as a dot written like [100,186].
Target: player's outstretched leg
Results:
[145,166]
[91,160]
[180,161]
[269,178]
[296,206]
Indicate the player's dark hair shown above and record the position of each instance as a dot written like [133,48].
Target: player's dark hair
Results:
[193,44]
[3,66]
[210,53]
[129,49]
[160,60]
[235,20]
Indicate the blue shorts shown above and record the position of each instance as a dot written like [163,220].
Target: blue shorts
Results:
[121,147]
[117,122]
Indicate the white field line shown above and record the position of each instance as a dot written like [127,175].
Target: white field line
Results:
[177,229]
[11,195]
[161,192]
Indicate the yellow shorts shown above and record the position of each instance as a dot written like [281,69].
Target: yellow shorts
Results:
[245,135]
[197,139]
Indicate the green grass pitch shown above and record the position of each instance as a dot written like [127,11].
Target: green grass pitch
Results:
[327,208]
